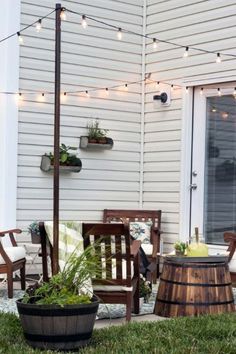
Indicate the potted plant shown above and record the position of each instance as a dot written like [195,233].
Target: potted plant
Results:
[145,290]
[68,160]
[96,138]
[60,314]
[180,248]
[33,230]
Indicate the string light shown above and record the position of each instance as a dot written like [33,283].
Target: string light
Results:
[186,53]
[126,87]
[107,91]
[201,91]
[225,115]
[157,84]
[20,38]
[213,110]
[172,87]
[63,14]
[218,58]
[84,22]
[119,34]
[154,43]
[186,89]
[38,25]
[219,91]
[235,91]
[87,93]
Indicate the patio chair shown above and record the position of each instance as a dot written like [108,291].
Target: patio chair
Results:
[12,258]
[231,238]
[119,282]
[145,225]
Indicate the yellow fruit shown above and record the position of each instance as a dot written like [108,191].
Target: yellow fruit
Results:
[197,250]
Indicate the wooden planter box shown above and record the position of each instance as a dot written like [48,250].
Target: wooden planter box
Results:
[86,145]
[47,167]
[56,327]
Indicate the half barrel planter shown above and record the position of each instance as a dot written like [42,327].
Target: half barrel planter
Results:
[58,328]
[192,287]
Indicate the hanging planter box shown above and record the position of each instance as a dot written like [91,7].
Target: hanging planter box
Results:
[47,167]
[87,144]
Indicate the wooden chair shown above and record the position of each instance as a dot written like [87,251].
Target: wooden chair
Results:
[12,258]
[231,238]
[154,216]
[119,283]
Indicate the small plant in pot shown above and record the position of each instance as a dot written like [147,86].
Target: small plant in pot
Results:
[66,157]
[180,248]
[60,314]
[145,289]
[96,135]
[33,230]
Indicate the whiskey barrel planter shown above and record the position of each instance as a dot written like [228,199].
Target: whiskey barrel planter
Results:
[192,288]
[58,328]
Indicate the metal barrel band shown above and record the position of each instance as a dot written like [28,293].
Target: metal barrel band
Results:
[195,284]
[57,312]
[196,303]
[186,265]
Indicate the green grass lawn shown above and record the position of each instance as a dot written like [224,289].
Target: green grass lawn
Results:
[202,335]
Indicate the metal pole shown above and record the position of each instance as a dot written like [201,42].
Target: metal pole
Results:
[55,262]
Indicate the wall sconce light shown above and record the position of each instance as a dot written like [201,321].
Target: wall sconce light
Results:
[164,99]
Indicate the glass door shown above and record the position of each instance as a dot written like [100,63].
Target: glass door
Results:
[213,185]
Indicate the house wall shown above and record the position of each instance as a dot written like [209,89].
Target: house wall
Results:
[205,24]
[90,58]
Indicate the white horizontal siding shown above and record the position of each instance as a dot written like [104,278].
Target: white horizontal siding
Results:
[203,24]
[91,58]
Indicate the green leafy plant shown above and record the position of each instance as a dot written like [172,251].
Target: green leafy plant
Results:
[66,157]
[145,288]
[180,247]
[69,286]
[34,228]
[95,133]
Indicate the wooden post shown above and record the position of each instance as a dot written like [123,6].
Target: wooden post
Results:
[55,261]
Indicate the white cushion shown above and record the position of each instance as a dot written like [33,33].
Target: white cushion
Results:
[14,253]
[148,248]
[141,231]
[232,265]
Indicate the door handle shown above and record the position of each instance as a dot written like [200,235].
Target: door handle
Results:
[193,186]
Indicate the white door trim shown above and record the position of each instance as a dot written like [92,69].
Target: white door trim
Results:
[186,148]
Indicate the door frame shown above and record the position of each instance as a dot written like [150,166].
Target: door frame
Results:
[188,104]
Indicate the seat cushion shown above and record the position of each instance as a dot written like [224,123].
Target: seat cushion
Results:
[141,231]
[14,253]
[148,248]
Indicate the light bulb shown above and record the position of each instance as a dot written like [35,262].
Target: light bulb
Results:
[63,14]
[172,88]
[87,93]
[235,91]
[119,34]
[39,25]
[84,22]
[107,91]
[186,89]
[201,91]
[126,86]
[157,84]
[20,97]
[154,43]
[219,92]
[186,53]
[20,38]
[213,110]
[218,58]
[225,115]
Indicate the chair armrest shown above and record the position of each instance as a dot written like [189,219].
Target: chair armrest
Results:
[15,231]
[134,248]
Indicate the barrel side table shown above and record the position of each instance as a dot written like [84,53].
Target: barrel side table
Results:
[192,286]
